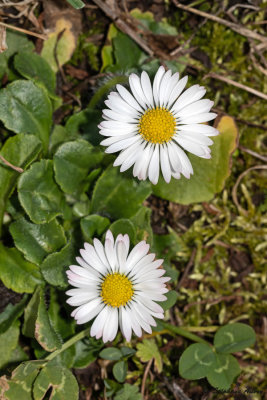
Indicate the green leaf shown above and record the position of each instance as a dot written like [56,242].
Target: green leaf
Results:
[111,353]
[209,175]
[86,352]
[148,350]
[60,135]
[142,223]
[127,351]
[55,265]
[234,337]
[76,3]
[37,241]
[16,42]
[38,193]
[196,361]
[8,343]
[128,392]
[26,108]
[17,273]
[21,151]
[172,296]
[34,67]
[93,225]
[117,196]
[37,323]
[223,371]
[120,370]
[124,226]
[11,313]
[61,380]
[86,123]
[20,384]
[72,162]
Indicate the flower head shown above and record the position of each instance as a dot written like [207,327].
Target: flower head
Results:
[117,288]
[151,125]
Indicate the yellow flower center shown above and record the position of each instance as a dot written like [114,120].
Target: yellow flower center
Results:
[117,290]
[157,125]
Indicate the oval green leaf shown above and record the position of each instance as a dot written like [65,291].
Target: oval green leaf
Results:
[26,108]
[60,379]
[38,193]
[234,337]
[111,353]
[72,163]
[223,372]
[34,67]
[120,370]
[17,273]
[93,225]
[196,361]
[118,196]
[37,241]
[124,226]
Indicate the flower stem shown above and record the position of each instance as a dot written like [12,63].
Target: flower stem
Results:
[69,343]
[183,332]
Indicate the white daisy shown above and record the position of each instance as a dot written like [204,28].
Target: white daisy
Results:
[150,126]
[117,288]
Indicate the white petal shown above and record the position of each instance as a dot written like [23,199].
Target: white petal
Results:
[128,163]
[145,313]
[138,252]
[82,298]
[117,125]
[163,87]
[145,161]
[119,117]
[190,146]
[135,324]
[184,160]
[118,105]
[198,107]
[144,325]
[141,264]
[111,253]
[121,255]
[90,256]
[136,88]
[150,304]
[126,95]
[200,128]
[122,144]
[192,94]
[116,139]
[111,325]
[129,152]
[156,84]
[84,264]
[84,272]
[169,88]
[89,312]
[99,248]
[196,119]
[147,89]
[153,169]
[177,90]
[165,163]
[98,324]
[195,137]
[125,324]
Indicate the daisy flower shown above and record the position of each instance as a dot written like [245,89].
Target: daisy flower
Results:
[151,125]
[119,289]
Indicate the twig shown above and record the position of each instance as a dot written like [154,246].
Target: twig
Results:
[187,269]
[236,84]
[111,13]
[234,191]
[19,3]
[176,390]
[15,28]
[235,27]
[253,153]
[18,169]
[3,44]
[143,386]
